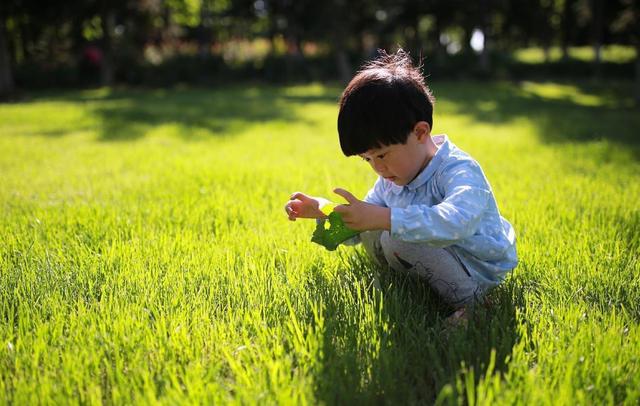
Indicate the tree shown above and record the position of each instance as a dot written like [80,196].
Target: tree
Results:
[6,77]
[626,23]
[598,28]
[28,18]
[567,27]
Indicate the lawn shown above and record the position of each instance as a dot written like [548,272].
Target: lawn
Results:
[145,255]
[616,54]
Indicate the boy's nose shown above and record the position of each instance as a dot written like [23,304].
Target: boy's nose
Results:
[379,167]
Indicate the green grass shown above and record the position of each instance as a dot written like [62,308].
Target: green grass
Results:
[610,53]
[145,255]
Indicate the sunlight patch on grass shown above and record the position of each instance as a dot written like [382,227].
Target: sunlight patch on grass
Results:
[571,93]
[610,53]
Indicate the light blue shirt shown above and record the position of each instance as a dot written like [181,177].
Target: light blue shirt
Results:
[450,204]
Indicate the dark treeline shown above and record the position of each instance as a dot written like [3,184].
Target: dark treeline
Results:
[91,42]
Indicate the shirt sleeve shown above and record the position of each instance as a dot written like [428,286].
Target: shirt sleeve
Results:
[466,197]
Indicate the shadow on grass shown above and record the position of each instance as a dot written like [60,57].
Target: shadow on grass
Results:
[409,357]
[562,112]
[130,114]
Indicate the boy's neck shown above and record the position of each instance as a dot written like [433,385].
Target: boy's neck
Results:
[430,149]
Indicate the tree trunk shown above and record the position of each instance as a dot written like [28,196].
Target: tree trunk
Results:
[413,41]
[6,78]
[340,33]
[419,54]
[598,19]
[467,29]
[438,52]
[485,62]
[77,39]
[107,68]
[567,28]
[546,51]
[204,31]
[344,67]
[637,92]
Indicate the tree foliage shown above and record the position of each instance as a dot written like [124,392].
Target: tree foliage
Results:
[56,33]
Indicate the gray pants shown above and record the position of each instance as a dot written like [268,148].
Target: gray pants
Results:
[438,266]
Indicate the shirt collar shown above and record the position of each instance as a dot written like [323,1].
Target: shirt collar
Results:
[444,149]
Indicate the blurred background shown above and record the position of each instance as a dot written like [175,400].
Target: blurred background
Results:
[88,43]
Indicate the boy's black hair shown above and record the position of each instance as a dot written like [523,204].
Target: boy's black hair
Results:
[382,104]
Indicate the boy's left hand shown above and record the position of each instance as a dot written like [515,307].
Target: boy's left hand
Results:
[362,216]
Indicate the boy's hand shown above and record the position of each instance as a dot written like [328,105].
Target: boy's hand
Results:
[303,206]
[362,216]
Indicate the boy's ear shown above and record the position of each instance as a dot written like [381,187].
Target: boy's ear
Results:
[422,129]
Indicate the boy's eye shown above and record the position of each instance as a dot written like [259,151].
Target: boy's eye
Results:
[381,156]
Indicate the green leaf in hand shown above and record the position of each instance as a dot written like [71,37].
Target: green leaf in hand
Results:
[333,236]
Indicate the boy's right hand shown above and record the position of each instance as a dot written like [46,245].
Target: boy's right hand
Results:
[303,206]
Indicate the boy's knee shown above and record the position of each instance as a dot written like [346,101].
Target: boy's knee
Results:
[387,242]
[392,249]
[437,266]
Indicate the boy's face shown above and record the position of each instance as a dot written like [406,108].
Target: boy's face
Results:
[401,163]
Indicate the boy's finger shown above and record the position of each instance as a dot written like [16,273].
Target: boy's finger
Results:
[342,208]
[346,195]
[299,196]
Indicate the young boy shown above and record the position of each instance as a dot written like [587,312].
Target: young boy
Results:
[431,212]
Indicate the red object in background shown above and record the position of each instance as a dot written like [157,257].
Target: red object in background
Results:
[93,55]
